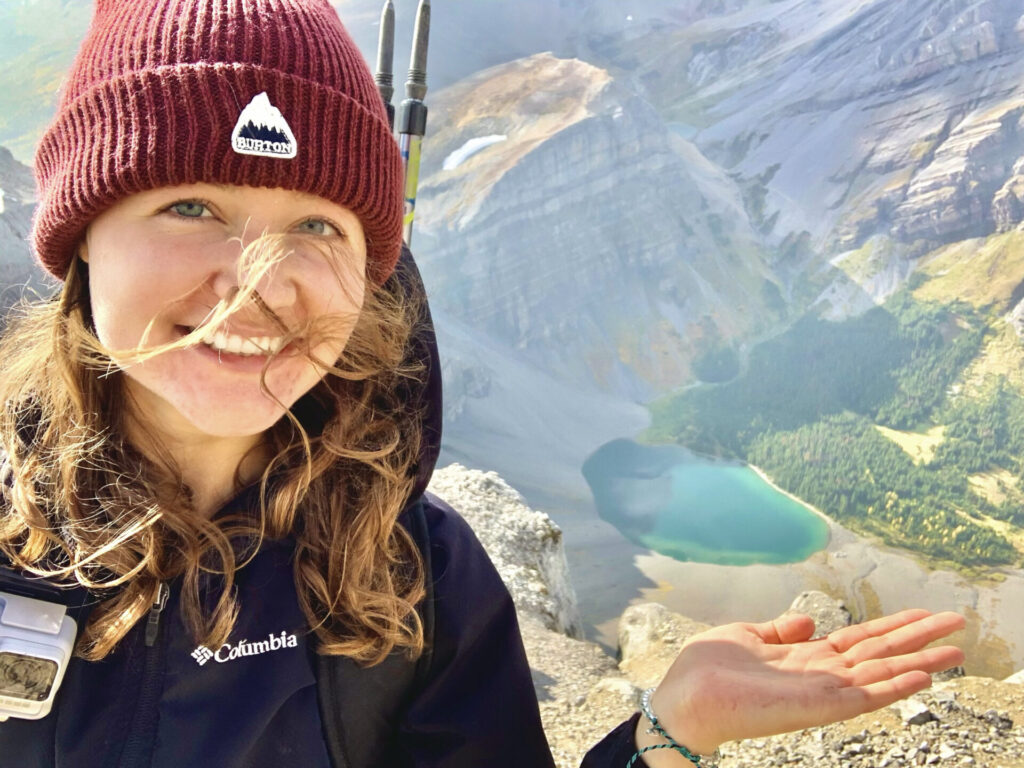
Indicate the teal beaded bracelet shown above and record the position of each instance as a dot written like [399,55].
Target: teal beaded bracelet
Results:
[656,727]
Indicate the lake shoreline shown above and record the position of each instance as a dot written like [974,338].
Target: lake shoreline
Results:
[869,576]
[779,489]
[610,573]
[700,508]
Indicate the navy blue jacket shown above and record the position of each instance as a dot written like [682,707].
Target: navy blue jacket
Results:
[252,703]
[162,702]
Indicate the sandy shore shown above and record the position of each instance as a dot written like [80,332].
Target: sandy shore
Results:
[611,573]
[779,489]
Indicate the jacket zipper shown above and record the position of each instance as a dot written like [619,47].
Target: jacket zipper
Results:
[138,749]
[153,621]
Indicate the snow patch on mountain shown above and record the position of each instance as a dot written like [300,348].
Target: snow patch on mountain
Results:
[470,148]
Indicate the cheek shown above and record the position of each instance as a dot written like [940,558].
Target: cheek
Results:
[128,294]
[338,295]
[117,303]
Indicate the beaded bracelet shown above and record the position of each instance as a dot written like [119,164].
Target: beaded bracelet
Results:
[656,727]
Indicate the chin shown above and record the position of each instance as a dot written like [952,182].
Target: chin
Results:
[218,421]
[214,405]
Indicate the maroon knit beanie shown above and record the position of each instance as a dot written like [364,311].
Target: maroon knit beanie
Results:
[263,93]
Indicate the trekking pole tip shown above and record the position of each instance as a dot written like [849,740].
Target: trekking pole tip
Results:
[416,85]
[386,50]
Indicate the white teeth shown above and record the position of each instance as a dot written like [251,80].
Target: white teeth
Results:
[223,341]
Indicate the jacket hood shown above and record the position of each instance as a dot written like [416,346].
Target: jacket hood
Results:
[424,394]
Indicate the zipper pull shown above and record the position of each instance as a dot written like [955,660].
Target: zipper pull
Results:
[153,622]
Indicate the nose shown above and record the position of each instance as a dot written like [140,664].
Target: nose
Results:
[262,259]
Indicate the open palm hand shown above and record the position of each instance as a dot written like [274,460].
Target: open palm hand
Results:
[748,680]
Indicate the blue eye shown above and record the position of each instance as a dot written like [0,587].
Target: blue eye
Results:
[317,227]
[189,209]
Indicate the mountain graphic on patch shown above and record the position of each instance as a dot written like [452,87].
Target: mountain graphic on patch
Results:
[262,130]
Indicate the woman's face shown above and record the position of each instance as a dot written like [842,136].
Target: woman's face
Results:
[162,261]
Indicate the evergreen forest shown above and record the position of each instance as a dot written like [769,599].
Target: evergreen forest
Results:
[831,411]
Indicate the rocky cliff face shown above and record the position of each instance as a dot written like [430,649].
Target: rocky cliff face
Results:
[854,120]
[17,202]
[586,234]
[769,157]
[525,546]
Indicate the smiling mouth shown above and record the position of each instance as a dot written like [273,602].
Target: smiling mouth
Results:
[246,346]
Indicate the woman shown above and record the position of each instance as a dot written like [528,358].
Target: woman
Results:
[217,435]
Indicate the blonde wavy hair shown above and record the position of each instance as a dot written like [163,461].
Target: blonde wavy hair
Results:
[85,506]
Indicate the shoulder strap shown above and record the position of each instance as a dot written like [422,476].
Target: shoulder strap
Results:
[359,706]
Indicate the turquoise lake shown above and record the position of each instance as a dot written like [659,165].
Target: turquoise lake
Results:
[692,508]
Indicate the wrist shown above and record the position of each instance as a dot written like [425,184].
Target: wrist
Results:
[680,729]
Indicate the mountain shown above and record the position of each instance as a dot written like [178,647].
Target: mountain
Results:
[582,231]
[802,218]
[38,40]
[850,120]
[18,269]
[624,200]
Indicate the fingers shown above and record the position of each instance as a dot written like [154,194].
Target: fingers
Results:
[788,628]
[929,660]
[853,701]
[844,639]
[905,639]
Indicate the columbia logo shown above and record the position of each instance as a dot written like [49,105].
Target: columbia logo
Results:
[229,652]
[262,130]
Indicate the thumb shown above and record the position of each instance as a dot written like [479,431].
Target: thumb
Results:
[788,628]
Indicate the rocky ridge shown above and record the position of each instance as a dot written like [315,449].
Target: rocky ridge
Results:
[17,202]
[525,546]
[586,224]
[584,692]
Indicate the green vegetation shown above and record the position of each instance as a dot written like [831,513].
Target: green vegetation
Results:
[717,365]
[806,411]
[892,364]
[842,464]
[986,433]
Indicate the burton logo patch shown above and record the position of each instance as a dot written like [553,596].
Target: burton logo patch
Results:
[262,130]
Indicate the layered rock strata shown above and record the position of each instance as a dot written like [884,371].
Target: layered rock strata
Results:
[591,238]
[17,203]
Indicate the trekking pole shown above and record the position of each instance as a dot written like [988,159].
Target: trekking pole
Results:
[385,59]
[412,125]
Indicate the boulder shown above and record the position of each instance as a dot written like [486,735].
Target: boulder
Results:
[828,614]
[1017,678]
[525,545]
[650,638]
[914,711]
